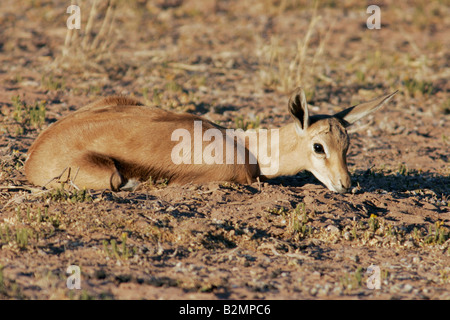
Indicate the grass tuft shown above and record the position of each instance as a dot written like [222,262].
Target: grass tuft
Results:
[285,70]
[28,115]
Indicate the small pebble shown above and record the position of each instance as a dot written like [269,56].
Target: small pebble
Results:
[332,229]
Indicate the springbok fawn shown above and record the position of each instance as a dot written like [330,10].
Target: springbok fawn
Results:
[117,142]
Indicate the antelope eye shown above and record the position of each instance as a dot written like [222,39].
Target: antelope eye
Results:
[318,148]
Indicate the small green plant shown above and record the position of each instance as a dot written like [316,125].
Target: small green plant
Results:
[5,234]
[158,184]
[50,83]
[41,217]
[73,196]
[403,170]
[354,231]
[353,280]
[374,224]
[22,235]
[28,115]
[163,182]
[244,124]
[156,97]
[414,86]
[122,251]
[439,235]
[278,211]
[297,219]
[174,86]
[145,93]
[360,76]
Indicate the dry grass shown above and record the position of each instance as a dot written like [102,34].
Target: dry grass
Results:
[300,63]
[88,46]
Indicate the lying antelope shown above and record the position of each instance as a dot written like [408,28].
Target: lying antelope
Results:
[117,142]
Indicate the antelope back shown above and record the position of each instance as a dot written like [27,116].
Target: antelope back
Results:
[115,140]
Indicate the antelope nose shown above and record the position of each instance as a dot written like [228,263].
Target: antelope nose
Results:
[345,184]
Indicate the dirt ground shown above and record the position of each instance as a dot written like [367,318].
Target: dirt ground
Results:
[233,62]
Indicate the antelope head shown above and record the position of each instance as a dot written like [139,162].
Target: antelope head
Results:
[322,140]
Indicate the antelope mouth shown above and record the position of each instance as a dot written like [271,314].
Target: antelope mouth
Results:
[335,187]
[338,189]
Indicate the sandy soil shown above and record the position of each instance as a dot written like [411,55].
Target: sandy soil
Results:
[289,238]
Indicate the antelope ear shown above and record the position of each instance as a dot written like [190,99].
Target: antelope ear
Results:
[298,108]
[353,114]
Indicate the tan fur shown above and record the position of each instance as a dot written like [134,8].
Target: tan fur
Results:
[115,140]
